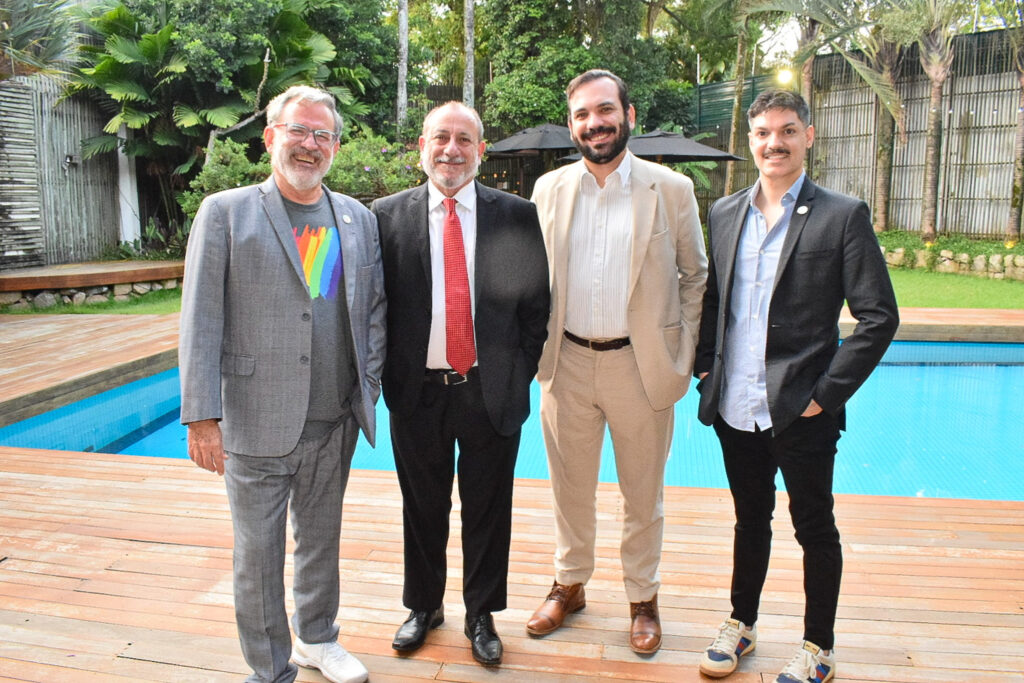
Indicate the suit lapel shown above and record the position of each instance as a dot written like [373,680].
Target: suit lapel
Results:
[347,242]
[796,226]
[486,216]
[565,194]
[729,237]
[644,201]
[273,205]
[419,233]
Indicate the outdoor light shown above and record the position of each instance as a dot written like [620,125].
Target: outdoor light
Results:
[784,77]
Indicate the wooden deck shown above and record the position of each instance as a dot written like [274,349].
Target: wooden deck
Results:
[89,274]
[118,568]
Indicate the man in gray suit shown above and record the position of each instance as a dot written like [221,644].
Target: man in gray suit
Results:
[282,346]
[774,379]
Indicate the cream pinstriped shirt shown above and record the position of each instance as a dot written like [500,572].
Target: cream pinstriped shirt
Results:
[600,245]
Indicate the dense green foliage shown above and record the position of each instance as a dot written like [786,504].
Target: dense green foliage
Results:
[36,37]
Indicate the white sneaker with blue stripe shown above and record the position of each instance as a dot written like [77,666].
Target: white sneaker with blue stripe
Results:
[734,640]
[810,665]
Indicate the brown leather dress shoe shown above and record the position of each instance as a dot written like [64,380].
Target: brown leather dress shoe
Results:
[645,629]
[561,601]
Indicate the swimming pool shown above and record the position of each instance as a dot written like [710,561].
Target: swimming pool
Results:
[942,420]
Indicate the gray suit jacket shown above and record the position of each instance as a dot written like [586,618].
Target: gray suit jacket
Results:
[830,254]
[246,318]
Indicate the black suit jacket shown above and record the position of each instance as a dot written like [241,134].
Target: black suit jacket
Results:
[830,254]
[511,291]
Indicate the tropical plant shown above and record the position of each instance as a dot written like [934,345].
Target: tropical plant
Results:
[36,37]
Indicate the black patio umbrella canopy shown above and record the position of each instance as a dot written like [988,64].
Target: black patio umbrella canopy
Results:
[671,148]
[533,140]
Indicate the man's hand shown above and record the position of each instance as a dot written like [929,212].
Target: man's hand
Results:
[812,409]
[205,446]
[702,375]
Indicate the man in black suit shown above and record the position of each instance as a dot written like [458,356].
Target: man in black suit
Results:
[450,247]
[785,254]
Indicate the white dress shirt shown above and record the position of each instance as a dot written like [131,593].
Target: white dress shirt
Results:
[465,208]
[744,402]
[600,246]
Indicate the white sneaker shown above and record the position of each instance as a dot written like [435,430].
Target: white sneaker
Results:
[809,665]
[334,661]
[734,640]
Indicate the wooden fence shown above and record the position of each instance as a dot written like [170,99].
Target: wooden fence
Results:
[55,207]
[980,101]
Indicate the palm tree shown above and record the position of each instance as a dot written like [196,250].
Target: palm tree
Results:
[849,30]
[932,25]
[402,104]
[36,37]
[469,45]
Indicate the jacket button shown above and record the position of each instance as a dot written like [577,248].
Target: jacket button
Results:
[304,360]
[306,316]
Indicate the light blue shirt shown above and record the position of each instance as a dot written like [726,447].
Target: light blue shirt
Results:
[744,403]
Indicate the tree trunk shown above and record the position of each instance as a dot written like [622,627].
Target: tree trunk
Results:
[402,101]
[1017,195]
[469,48]
[885,135]
[933,146]
[735,135]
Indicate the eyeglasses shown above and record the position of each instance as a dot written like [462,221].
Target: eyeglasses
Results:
[298,133]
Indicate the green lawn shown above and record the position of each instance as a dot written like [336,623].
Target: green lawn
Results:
[914,289]
[921,289]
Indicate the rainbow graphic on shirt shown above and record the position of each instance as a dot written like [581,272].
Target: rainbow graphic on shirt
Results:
[320,252]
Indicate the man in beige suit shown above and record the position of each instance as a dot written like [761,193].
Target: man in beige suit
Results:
[628,267]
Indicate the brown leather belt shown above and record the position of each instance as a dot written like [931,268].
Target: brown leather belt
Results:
[605,345]
[449,377]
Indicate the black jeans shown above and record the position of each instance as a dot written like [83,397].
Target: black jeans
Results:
[805,453]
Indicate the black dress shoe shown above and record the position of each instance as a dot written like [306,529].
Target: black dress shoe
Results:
[486,644]
[413,632]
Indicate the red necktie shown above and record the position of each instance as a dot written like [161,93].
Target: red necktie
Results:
[458,309]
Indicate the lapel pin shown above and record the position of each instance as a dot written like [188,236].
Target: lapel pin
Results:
[800,210]
[348,219]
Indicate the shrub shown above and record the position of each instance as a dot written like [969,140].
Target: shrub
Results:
[370,166]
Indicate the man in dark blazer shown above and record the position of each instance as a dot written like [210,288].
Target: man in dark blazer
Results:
[774,379]
[478,397]
[282,345]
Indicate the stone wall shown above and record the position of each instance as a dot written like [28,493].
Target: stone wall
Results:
[994,266]
[47,298]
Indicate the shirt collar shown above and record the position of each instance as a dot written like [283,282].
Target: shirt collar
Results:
[623,169]
[466,196]
[788,197]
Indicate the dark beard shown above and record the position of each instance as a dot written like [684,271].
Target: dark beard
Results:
[594,157]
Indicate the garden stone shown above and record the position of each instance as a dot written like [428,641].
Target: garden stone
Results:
[979,266]
[20,306]
[140,287]
[96,299]
[1018,260]
[78,299]
[895,257]
[44,300]
[121,289]
[122,298]
[920,258]
[7,298]
[155,286]
[945,262]
[170,284]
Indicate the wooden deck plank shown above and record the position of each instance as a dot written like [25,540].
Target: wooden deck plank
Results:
[118,568]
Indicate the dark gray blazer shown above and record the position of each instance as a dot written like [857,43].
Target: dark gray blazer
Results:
[246,318]
[830,254]
[510,288]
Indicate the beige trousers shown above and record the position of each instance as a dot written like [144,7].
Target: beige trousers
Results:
[592,389]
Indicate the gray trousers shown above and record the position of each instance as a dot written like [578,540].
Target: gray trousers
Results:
[312,479]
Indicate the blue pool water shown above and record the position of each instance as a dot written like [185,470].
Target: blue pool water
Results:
[934,420]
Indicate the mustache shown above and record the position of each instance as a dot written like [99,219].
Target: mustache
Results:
[317,155]
[600,130]
[444,159]
[777,150]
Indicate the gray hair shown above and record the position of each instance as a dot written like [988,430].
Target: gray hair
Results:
[459,105]
[304,93]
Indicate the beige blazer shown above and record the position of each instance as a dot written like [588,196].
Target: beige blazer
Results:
[668,269]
